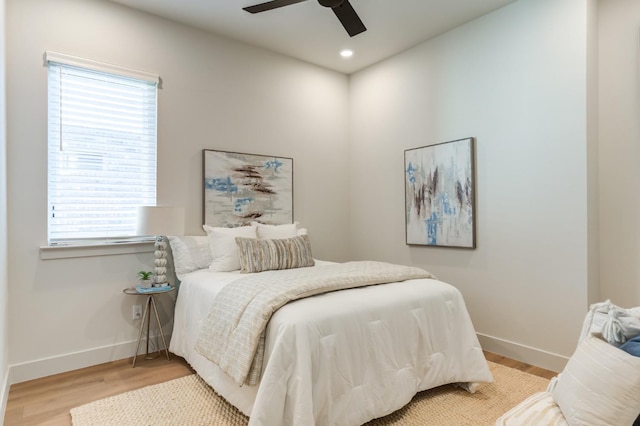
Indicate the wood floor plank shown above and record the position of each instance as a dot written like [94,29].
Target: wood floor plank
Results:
[527,368]
[47,401]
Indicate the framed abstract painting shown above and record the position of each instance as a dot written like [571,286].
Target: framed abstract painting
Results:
[440,194]
[241,188]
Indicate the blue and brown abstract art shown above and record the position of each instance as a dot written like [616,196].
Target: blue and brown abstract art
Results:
[440,194]
[242,188]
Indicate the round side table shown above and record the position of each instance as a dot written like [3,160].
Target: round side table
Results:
[150,305]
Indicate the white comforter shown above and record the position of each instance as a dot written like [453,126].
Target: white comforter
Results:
[341,358]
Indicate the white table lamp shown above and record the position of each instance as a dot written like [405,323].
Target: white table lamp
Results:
[159,221]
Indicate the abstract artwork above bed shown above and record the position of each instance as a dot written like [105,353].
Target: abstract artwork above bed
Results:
[440,194]
[240,188]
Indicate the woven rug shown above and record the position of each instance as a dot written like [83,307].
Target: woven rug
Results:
[190,401]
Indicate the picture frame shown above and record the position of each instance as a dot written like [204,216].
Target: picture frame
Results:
[240,188]
[440,187]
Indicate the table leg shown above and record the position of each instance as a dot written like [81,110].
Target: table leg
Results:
[147,316]
[148,308]
[164,342]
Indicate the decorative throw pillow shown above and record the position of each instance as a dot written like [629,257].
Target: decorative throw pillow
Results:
[538,409]
[632,346]
[190,253]
[272,254]
[599,385]
[276,231]
[616,324]
[223,248]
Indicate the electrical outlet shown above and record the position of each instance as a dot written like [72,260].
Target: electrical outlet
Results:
[137,311]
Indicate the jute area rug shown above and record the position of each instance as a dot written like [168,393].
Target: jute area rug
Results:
[190,401]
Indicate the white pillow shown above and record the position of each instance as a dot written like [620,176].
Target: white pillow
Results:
[276,232]
[223,247]
[599,386]
[538,409]
[190,253]
[616,324]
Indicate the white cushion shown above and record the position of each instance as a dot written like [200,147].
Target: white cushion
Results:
[616,324]
[223,247]
[599,386]
[276,231]
[538,409]
[190,253]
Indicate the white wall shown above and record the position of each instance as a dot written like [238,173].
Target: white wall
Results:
[516,80]
[593,171]
[521,80]
[216,94]
[619,150]
[4,296]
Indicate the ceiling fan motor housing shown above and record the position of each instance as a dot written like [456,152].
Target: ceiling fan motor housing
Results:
[330,3]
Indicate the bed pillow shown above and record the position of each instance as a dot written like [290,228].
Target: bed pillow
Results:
[258,255]
[190,253]
[223,248]
[276,231]
[599,385]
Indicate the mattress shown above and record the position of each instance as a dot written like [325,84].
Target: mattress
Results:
[341,358]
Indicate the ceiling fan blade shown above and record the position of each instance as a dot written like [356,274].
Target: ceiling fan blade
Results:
[349,18]
[262,7]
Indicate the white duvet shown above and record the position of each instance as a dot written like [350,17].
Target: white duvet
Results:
[341,358]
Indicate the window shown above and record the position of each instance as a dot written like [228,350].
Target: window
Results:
[102,150]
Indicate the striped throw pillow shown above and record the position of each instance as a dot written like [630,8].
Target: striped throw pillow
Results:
[258,255]
[538,409]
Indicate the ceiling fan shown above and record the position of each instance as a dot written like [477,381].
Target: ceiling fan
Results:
[342,8]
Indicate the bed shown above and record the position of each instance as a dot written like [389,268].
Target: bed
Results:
[338,358]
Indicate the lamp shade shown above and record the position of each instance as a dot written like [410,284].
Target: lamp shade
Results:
[159,220]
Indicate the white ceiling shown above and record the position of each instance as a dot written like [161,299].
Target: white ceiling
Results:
[312,33]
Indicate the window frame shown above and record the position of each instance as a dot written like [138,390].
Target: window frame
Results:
[98,245]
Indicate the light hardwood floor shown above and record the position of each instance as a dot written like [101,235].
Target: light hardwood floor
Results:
[47,401]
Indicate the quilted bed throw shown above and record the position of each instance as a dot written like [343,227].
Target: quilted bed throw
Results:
[232,335]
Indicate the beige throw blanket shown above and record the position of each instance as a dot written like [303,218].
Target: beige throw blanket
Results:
[232,335]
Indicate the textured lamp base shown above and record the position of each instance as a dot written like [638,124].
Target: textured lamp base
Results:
[160,261]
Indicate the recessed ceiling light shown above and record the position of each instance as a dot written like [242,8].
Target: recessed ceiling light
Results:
[346,53]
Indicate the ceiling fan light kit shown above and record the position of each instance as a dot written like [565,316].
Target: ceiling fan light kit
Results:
[342,9]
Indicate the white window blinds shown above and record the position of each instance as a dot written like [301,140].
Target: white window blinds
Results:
[102,153]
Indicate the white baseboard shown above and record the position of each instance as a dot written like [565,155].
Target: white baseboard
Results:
[73,361]
[5,394]
[523,353]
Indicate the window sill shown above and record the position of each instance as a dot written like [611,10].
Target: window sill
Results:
[67,252]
